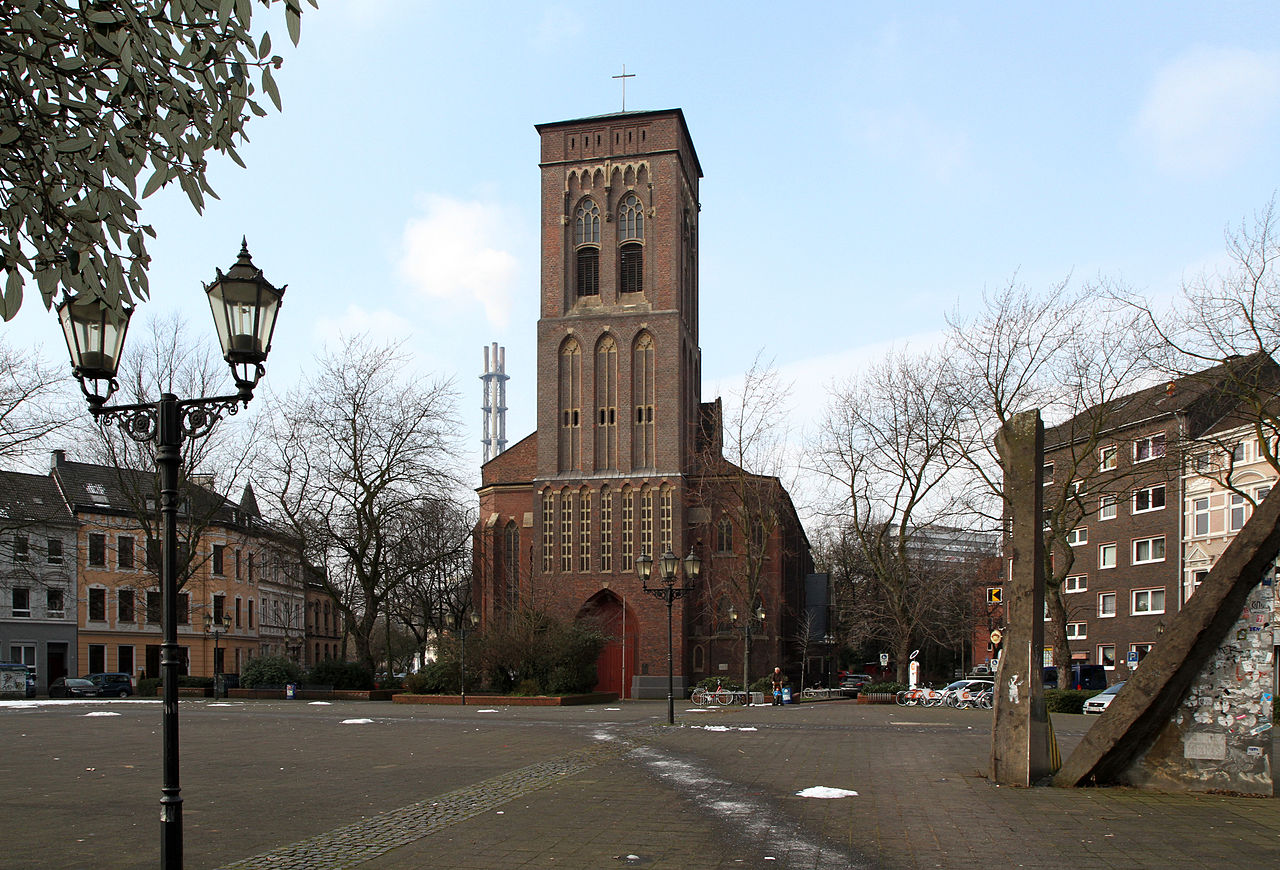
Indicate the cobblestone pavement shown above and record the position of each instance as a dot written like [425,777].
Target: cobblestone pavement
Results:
[383,787]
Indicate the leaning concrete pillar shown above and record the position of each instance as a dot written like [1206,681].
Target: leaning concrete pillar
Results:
[1021,739]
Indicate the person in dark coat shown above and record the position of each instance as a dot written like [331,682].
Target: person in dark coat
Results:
[779,678]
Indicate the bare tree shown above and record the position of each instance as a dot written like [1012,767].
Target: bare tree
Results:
[737,481]
[357,453]
[1073,354]
[35,402]
[888,447]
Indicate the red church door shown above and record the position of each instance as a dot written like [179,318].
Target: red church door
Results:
[616,665]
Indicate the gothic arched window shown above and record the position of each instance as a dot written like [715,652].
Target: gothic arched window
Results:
[606,439]
[631,252]
[642,396]
[570,406]
[586,240]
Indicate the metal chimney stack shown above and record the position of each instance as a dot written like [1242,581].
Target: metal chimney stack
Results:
[495,402]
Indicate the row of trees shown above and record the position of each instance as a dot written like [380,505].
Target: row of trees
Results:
[908,446]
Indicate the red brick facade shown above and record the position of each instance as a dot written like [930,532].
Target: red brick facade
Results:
[608,475]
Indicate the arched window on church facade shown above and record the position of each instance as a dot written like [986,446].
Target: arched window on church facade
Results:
[566,531]
[665,542]
[642,393]
[586,242]
[570,386]
[606,529]
[606,435]
[584,530]
[628,529]
[511,564]
[631,247]
[646,522]
[548,529]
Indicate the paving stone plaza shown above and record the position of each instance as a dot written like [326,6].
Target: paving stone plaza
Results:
[385,787]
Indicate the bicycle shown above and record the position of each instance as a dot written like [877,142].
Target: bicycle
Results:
[705,697]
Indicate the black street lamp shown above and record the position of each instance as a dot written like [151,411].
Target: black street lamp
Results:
[746,659]
[473,618]
[669,592]
[217,628]
[244,306]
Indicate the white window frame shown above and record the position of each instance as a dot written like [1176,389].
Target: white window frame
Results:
[1046,474]
[1151,548]
[1081,583]
[1237,509]
[1200,511]
[1078,536]
[1108,507]
[1102,613]
[1102,660]
[1108,457]
[20,613]
[1077,631]
[1149,611]
[1150,441]
[1150,492]
[1146,649]
[1115,553]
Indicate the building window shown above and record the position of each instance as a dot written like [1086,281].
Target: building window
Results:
[219,558]
[1046,474]
[54,603]
[631,268]
[570,384]
[219,607]
[1151,447]
[586,237]
[1106,604]
[630,218]
[606,435]
[1147,601]
[238,602]
[97,550]
[1107,457]
[1107,655]
[53,555]
[1107,507]
[665,541]
[1200,516]
[1076,630]
[21,602]
[1076,583]
[1138,651]
[97,605]
[184,608]
[1149,499]
[606,529]
[628,528]
[251,614]
[584,530]
[1147,550]
[97,658]
[252,574]
[124,553]
[548,529]
[124,659]
[724,536]
[154,557]
[646,521]
[1239,512]
[155,606]
[125,607]
[1077,536]
[566,531]
[1107,556]
[642,393]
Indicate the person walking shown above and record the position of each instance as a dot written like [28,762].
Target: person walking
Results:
[779,678]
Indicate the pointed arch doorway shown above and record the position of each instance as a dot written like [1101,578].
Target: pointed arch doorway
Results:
[616,666]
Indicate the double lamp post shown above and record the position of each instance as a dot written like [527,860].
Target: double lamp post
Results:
[244,306]
[668,591]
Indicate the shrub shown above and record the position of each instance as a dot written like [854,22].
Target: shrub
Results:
[764,684]
[195,682]
[340,675]
[712,682]
[149,686]
[1066,700]
[438,678]
[557,657]
[882,688]
[527,688]
[269,671]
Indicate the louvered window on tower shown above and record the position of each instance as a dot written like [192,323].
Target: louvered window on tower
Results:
[588,272]
[586,236]
[631,265]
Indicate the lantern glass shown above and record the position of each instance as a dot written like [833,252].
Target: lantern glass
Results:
[95,336]
[692,565]
[644,565]
[244,306]
[668,566]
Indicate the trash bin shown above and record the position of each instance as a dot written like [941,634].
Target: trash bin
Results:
[289,690]
[786,694]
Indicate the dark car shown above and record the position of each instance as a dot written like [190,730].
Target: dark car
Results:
[111,685]
[1090,677]
[72,687]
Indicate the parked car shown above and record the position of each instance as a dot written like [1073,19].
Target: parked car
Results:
[854,681]
[72,687]
[111,685]
[1088,677]
[1103,699]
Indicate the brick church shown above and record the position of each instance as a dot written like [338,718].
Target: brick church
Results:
[626,457]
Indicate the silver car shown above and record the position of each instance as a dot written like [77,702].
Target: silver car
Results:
[1102,700]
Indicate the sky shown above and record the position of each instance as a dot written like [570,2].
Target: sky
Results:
[869,167]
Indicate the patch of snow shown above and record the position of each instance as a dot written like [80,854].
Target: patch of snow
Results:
[102,713]
[488,711]
[68,702]
[221,704]
[822,791]
[712,727]
[356,722]
[612,709]
[319,704]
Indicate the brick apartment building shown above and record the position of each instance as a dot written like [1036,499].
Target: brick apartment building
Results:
[613,469]
[1155,507]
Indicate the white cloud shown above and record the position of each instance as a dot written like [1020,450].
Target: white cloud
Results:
[382,326]
[455,252]
[1207,108]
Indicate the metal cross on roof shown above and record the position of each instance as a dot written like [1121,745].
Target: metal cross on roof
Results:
[625,75]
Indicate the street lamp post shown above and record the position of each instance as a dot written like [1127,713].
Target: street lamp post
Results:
[244,306]
[217,628]
[759,614]
[669,592]
[473,618]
